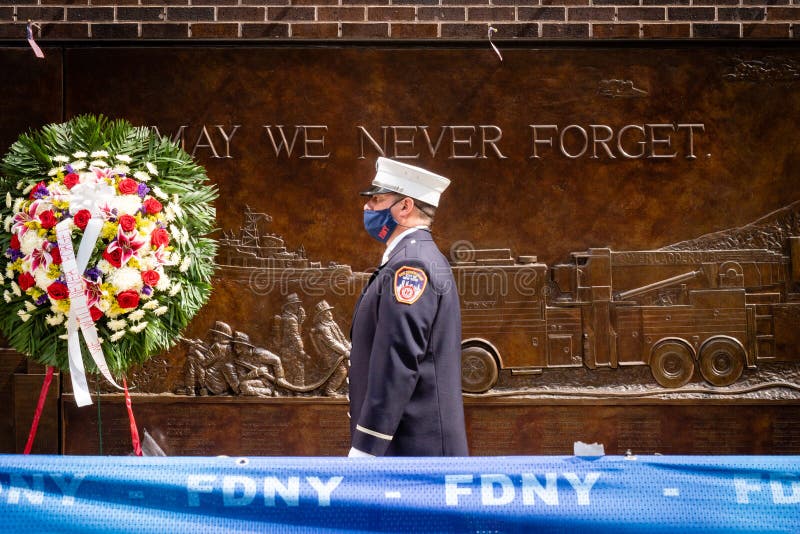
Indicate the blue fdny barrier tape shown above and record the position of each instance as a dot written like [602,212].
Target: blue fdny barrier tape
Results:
[492,494]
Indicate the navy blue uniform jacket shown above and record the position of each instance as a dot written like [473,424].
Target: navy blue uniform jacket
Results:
[405,363]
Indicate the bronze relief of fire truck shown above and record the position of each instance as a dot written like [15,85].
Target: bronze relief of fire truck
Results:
[717,310]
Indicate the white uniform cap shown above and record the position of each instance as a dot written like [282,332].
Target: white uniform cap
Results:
[410,181]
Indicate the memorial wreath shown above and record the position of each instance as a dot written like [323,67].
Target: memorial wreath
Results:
[137,208]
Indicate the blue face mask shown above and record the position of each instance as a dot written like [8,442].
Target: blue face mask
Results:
[379,223]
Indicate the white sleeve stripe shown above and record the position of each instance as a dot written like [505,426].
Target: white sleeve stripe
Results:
[373,433]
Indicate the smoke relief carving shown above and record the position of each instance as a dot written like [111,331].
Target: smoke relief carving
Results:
[768,69]
[620,89]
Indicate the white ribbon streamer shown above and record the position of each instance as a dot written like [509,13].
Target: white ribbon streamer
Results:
[79,315]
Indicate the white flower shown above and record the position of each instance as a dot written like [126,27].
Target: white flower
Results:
[150,305]
[78,165]
[126,278]
[136,315]
[15,289]
[104,304]
[9,273]
[91,196]
[138,327]
[23,315]
[80,154]
[54,320]
[126,204]
[161,311]
[175,289]
[98,163]
[53,171]
[124,158]
[117,325]
[105,267]
[117,336]
[20,184]
[7,224]
[159,193]
[122,169]
[176,232]
[185,235]
[63,336]
[141,176]
[163,282]
[30,306]
[29,242]
[99,154]
[6,296]
[27,189]
[42,280]
[185,264]
[18,204]
[169,213]
[152,168]
[60,159]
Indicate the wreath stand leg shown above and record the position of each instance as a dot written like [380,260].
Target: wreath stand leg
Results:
[137,446]
[39,407]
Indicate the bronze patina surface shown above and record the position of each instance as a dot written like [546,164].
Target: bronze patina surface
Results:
[623,225]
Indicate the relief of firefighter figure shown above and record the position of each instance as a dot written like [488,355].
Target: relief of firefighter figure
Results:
[332,347]
[232,365]
[211,369]
[290,344]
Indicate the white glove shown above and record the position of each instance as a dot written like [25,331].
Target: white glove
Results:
[355,453]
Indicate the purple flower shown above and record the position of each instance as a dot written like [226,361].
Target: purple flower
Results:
[69,168]
[42,300]
[40,192]
[14,254]
[143,190]
[147,290]
[93,274]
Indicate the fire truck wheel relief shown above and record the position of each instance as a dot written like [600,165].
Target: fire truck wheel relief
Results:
[478,370]
[672,364]
[721,361]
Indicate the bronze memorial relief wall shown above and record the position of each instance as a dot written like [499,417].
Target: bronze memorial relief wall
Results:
[623,224]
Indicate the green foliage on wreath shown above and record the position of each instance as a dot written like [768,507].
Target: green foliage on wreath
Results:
[32,317]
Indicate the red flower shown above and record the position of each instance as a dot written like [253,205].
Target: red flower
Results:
[55,254]
[128,299]
[81,219]
[58,291]
[71,180]
[159,238]
[47,219]
[25,281]
[95,312]
[128,186]
[150,278]
[14,242]
[127,223]
[114,257]
[152,206]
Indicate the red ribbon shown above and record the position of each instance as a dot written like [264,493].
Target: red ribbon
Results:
[137,446]
[39,407]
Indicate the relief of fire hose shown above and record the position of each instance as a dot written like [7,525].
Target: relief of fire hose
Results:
[230,364]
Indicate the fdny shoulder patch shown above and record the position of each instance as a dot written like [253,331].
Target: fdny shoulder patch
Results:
[409,284]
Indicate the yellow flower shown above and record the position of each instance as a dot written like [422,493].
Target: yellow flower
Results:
[134,263]
[109,230]
[62,305]
[54,271]
[35,292]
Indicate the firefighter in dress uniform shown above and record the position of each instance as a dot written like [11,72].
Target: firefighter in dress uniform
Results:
[405,362]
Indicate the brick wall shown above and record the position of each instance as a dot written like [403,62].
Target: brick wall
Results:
[400,19]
